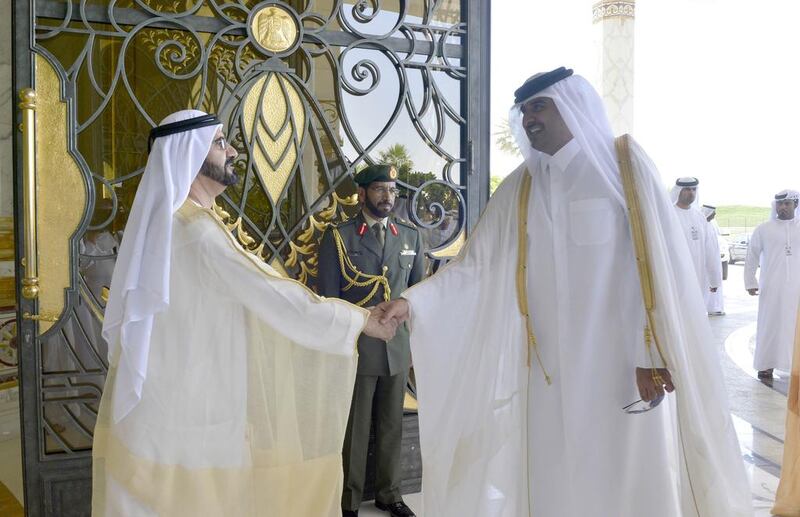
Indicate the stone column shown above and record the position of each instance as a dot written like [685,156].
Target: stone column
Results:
[614,40]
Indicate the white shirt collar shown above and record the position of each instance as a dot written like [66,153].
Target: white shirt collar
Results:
[563,156]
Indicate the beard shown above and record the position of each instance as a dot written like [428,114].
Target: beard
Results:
[382,209]
[223,175]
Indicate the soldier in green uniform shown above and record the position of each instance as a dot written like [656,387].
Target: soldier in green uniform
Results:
[369,259]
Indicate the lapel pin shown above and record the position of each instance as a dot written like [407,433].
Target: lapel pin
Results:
[393,228]
[362,229]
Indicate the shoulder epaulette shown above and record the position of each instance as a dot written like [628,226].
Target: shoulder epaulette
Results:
[405,223]
[342,224]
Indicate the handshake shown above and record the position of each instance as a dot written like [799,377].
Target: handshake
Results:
[385,317]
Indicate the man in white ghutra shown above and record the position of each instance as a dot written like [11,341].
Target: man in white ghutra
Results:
[775,248]
[530,347]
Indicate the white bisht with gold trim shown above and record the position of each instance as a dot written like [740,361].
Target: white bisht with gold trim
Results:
[496,439]
[245,402]
[229,385]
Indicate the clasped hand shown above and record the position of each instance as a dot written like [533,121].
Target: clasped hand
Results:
[385,318]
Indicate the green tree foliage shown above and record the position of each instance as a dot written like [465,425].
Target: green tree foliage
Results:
[504,140]
[397,155]
[494,182]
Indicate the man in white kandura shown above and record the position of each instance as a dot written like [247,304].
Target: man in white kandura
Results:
[229,385]
[523,416]
[715,301]
[700,235]
[775,248]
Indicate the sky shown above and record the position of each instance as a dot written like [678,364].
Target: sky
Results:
[716,90]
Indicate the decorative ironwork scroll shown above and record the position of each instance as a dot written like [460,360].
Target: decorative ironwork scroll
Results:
[309,93]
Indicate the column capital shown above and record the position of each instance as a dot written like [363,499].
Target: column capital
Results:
[613,9]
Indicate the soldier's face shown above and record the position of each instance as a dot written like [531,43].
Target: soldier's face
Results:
[378,198]
[786,209]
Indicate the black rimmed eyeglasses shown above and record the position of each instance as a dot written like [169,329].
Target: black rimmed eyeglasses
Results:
[642,406]
[385,190]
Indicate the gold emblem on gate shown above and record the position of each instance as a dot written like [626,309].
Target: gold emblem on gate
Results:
[274,29]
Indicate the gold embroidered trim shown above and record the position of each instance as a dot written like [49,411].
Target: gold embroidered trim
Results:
[622,145]
[522,272]
[192,211]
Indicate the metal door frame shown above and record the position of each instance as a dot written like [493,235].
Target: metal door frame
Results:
[48,481]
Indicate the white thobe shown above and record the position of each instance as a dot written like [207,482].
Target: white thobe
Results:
[775,248]
[585,456]
[703,246]
[496,440]
[245,402]
[588,316]
[715,302]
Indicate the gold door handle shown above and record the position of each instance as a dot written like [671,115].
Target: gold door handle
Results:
[30,282]
[52,318]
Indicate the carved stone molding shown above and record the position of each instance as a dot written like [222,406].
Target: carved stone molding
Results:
[610,9]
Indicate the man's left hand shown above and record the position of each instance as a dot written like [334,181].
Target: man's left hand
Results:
[649,387]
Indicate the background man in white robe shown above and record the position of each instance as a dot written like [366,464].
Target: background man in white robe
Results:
[513,426]
[229,385]
[775,248]
[715,301]
[700,235]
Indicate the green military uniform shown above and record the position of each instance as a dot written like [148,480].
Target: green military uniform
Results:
[382,366]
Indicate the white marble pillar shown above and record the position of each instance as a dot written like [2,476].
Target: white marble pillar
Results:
[614,40]
[6,111]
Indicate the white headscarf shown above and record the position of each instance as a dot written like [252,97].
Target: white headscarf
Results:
[140,284]
[790,194]
[585,115]
[675,192]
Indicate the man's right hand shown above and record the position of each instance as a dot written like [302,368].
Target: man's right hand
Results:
[753,292]
[377,328]
[397,310]
[652,382]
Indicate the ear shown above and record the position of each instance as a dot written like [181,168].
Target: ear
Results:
[362,194]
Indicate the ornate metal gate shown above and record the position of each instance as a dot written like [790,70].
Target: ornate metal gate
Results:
[309,90]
